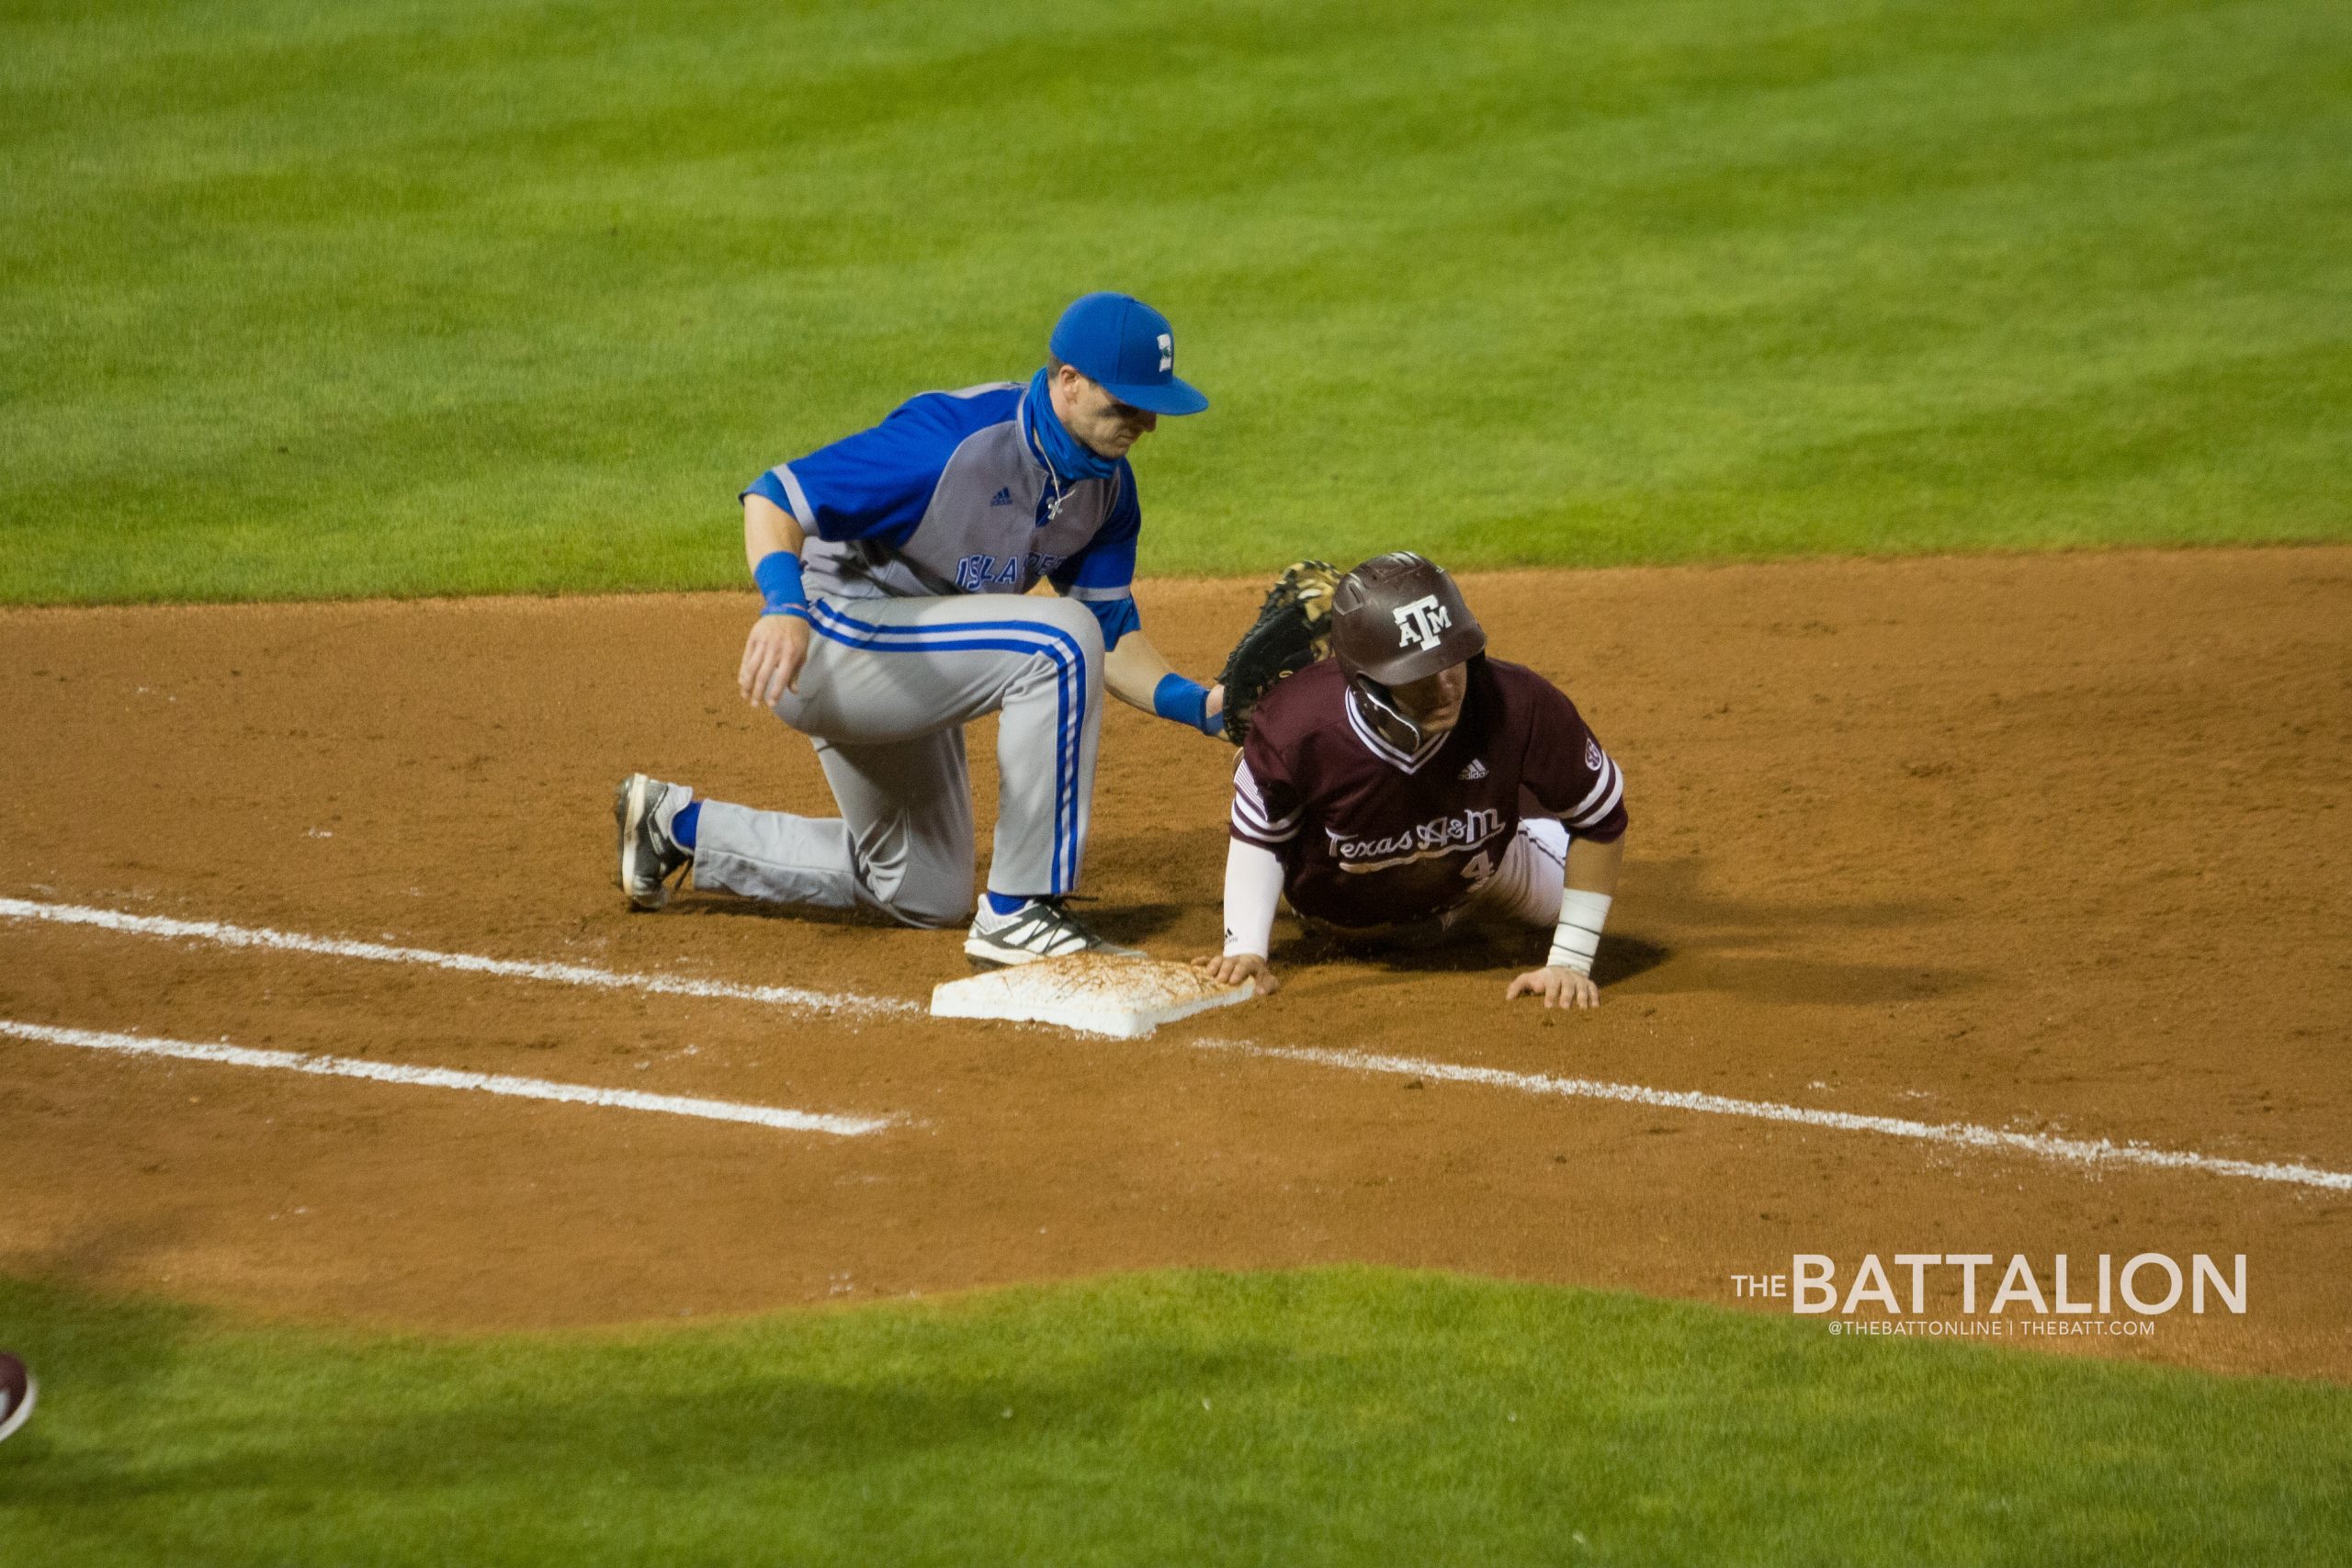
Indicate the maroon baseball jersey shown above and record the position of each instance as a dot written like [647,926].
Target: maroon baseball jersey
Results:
[1371,835]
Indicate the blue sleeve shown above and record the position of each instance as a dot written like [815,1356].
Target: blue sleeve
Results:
[1103,569]
[1118,617]
[874,485]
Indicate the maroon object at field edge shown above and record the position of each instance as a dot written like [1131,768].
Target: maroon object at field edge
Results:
[16,1391]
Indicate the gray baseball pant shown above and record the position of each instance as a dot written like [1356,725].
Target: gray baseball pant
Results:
[887,688]
[1527,882]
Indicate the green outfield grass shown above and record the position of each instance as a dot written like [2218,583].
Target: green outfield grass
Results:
[1346,1416]
[414,297]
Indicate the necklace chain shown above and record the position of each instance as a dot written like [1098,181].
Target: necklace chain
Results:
[1053,475]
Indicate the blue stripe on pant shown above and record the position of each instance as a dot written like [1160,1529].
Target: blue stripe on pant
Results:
[1069,659]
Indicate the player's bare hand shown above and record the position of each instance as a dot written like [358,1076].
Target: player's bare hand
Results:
[1233,968]
[772,655]
[1558,988]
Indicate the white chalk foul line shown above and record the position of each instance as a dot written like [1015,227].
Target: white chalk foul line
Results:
[1964,1135]
[2077,1151]
[226,935]
[447,1078]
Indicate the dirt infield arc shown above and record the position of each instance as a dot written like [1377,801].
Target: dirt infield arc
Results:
[2043,845]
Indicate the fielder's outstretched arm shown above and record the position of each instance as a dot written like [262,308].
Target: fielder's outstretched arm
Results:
[1134,673]
[1566,980]
[778,645]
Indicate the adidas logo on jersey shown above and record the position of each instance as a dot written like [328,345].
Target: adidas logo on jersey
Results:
[1476,768]
[1003,497]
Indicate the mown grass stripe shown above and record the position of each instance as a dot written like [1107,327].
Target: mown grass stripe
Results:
[306,303]
[1328,1418]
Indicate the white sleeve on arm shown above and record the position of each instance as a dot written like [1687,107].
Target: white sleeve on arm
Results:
[1253,883]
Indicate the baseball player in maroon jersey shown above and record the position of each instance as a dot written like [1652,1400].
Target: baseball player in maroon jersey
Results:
[1382,792]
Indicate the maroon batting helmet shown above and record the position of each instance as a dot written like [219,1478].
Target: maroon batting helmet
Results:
[1398,618]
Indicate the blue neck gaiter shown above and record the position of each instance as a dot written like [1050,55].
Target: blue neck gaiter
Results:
[1069,458]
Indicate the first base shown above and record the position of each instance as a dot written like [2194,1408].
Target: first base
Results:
[1125,998]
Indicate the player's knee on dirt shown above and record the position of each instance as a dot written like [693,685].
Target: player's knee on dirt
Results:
[933,907]
[910,889]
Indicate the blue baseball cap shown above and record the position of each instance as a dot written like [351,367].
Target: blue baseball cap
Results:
[1129,347]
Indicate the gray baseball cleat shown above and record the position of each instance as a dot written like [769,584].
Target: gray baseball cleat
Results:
[1039,928]
[643,809]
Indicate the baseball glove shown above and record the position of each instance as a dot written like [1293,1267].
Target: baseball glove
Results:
[1293,630]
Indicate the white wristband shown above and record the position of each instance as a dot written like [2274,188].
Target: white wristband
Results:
[1577,936]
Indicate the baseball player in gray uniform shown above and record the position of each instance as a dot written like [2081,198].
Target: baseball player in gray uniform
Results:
[895,569]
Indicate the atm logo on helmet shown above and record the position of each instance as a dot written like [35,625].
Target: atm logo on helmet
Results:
[1418,623]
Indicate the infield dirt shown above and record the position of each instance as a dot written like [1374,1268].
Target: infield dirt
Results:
[2040,843]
